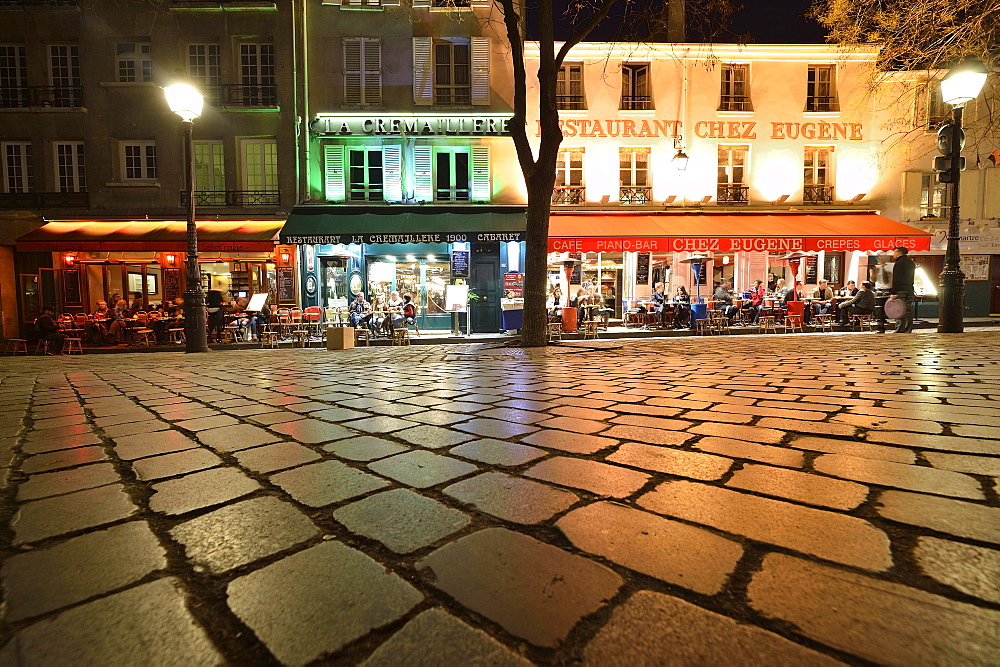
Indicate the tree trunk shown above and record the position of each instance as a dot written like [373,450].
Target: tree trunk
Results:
[534,331]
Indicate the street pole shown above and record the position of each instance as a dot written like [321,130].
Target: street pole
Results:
[951,295]
[195,330]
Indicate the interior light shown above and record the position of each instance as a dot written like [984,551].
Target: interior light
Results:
[390,258]
[431,258]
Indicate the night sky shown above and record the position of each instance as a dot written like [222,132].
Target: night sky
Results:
[778,22]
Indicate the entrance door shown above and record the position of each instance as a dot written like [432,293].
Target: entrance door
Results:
[484,279]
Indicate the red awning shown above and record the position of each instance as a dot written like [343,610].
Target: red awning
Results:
[151,236]
[729,232]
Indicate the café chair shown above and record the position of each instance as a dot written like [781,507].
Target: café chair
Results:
[703,327]
[269,336]
[824,322]
[362,334]
[718,322]
[300,338]
[176,335]
[795,316]
[400,337]
[862,322]
[71,345]
[767,323]
[591,329]
[16,345]
[42,347]
[555,331]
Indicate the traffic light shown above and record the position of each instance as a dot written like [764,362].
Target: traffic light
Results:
[945,145]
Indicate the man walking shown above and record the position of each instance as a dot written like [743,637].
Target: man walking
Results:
[903,270]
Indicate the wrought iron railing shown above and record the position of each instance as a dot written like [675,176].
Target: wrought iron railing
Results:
[244,95]
[36,4]
[570,102]
[817,194]
[569,194]
[733,194]
[735,103]
[223,3]
[636,102]
[822,103]
[35,200]
[635,196]
[237,198]
[41,96]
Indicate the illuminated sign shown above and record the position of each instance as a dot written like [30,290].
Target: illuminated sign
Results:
[708,129]
[420,237]
[738,244]
[348,125]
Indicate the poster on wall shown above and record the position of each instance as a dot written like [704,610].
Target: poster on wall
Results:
[286,284]
[513,285]
[171,283]
[455,298]
[642,268]
[976,267]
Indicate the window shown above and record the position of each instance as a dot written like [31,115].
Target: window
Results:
[451,72]
[933,197]
[449,4]
[360,3]
[64,74]
[209,173]
[364,174]
[70,173]
[134,62]
[569,87]
[931,112]
[569,187]
[732,171]
[205,69]
[451,173]
[635,87]
[13,76]
[257,75]
[362,71]
[139,161]
[18,175]
[634,176]
[817,177]
[260,165]
[735,94]
[821,94]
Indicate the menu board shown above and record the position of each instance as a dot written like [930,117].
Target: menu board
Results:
[811,273]
[577,277]
[455,298]
[513,285]
[71,287]
[642,268]
[286,284]
[459,263]
[171,283]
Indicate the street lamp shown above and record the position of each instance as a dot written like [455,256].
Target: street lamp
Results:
[186,102]
[962,83]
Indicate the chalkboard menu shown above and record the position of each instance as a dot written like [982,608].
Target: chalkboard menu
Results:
[699,271]
[577,277]
[811,269]
[171,283]
[459,263]
[642,268]
[286,284]
[71,287]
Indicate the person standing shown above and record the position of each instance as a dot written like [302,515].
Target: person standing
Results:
[903,270]
[216,318]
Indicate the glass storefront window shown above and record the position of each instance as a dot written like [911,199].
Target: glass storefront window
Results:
[423,278]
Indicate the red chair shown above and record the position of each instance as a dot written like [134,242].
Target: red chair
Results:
[312,316]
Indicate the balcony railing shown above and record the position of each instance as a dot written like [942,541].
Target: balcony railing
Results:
[570,102]
[569,194]
[243,95]
[21,97]
[36,200]
[636,102]
[236,198]
[733,194]
[224,3]
[635,196]
[817,194]
[735,103]
[822,103]
[36,4]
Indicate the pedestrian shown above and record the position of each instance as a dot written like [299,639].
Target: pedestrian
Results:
[903,270]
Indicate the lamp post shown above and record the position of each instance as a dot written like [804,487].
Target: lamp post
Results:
[186,102]
[962,83]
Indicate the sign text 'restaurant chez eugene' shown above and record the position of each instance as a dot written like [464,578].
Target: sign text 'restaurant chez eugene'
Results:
[709,129]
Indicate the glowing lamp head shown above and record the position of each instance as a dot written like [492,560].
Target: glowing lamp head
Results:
[680,160]
[171,258]
[285,257]
[963,82]
[184,100]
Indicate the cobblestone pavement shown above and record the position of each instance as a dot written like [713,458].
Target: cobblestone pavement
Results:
[760,500]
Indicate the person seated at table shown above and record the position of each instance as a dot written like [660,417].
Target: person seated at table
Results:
[97,326]
[395,308]
[605,302]
[553,305]
[379,320]
[756,303]
[682,308]
[779,289]
[258,321]
[409,310]
[48,330]
[862,303]
[822,298]
[359,311]
[724,300]
[794,294]
[161,320]
[119,325]
[659,300]
[850,289]
[581,299]
[137,303]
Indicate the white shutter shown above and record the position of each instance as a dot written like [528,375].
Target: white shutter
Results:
[991,193]
[423,182]
[910,206]
[423,81]
[421,3]
[372,65]
[333,172]
[480,173]
[392,173]
[480,70]
[352,71]
[968,196]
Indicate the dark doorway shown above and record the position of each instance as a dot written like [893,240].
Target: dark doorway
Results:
[484,280]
